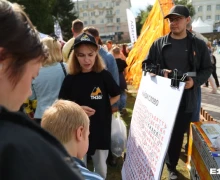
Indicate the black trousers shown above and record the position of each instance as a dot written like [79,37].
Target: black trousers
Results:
[214,76]
[182,123]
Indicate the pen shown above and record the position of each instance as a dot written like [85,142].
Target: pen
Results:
[215,154]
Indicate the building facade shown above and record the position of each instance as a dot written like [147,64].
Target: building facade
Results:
[207,10]
[108,16]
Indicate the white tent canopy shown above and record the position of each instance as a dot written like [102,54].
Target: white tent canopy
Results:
[201,27]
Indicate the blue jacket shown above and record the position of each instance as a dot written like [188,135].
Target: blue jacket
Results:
[46,87]
[110,63]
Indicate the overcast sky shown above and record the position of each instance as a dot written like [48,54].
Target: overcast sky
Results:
[136,5]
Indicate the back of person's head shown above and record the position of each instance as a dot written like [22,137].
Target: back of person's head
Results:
[116,50]
[109,42]
[209,44]
[77,26]
[63,118]
[91,30]
[55,53]
[19,41]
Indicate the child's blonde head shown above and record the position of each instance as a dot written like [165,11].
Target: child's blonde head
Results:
[63,118]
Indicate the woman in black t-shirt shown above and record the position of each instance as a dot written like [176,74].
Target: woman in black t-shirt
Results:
[90,85]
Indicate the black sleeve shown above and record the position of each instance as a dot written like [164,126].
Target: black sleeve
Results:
[205,68]
[111,86]
[65,90]
[125,64]
[153,55]
[25,163]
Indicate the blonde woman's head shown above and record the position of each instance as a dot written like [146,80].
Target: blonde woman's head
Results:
[54,47]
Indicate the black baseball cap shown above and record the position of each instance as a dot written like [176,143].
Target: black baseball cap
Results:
[178,10]
[84,38]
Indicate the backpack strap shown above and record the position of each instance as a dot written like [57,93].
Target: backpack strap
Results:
[64,70]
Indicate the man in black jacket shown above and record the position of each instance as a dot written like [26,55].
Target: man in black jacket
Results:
[182,51]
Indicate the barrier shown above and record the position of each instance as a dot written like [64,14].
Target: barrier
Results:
[205,116]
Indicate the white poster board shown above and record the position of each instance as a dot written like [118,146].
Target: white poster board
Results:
[152,123]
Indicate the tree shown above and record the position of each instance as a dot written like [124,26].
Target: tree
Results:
[63,12]
[39,11]
[141,18]
[43,13]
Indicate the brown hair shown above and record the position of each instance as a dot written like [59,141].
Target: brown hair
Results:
[116,50]
[77,26]
[63,118]
[19,40]
[74,66]
[54,48]
[109,41]
[91,30]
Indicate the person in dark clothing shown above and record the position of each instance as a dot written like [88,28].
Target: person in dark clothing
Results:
[214,73]
[90,85]
[123,85]
[182,51]
[26,150]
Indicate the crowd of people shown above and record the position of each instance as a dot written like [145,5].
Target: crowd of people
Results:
[88,79]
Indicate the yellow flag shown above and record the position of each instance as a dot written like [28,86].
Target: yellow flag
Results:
[154,27]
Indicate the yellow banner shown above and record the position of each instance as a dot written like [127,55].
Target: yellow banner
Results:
[154,27]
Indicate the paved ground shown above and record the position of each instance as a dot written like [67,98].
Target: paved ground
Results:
[211,102]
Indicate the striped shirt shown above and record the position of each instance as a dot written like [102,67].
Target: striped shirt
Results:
[88,175]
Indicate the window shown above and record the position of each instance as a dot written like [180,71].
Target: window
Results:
[217,17]
[209,8]
[102,21]
[92,13]
[93,21]
[118,20]
[92,6]
[208,17]
[84,6]
[117,11]
[218,7]
[117,3]
[117,28]
[84,14]
[85,22]
[109,20]
[100,5]
[101,12]
[109,12]
[102,29]
[200,9]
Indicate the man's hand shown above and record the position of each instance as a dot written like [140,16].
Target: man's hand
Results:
[189,84]
[166,72]
[89,111]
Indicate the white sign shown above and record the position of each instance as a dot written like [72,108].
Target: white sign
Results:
[152,123]
[57,30]
[131,26]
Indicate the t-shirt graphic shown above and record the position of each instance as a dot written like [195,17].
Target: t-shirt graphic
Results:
[96,93]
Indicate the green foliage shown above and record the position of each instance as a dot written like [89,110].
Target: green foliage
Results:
[43,13]
[63,12]
[141,18]
[39,12]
